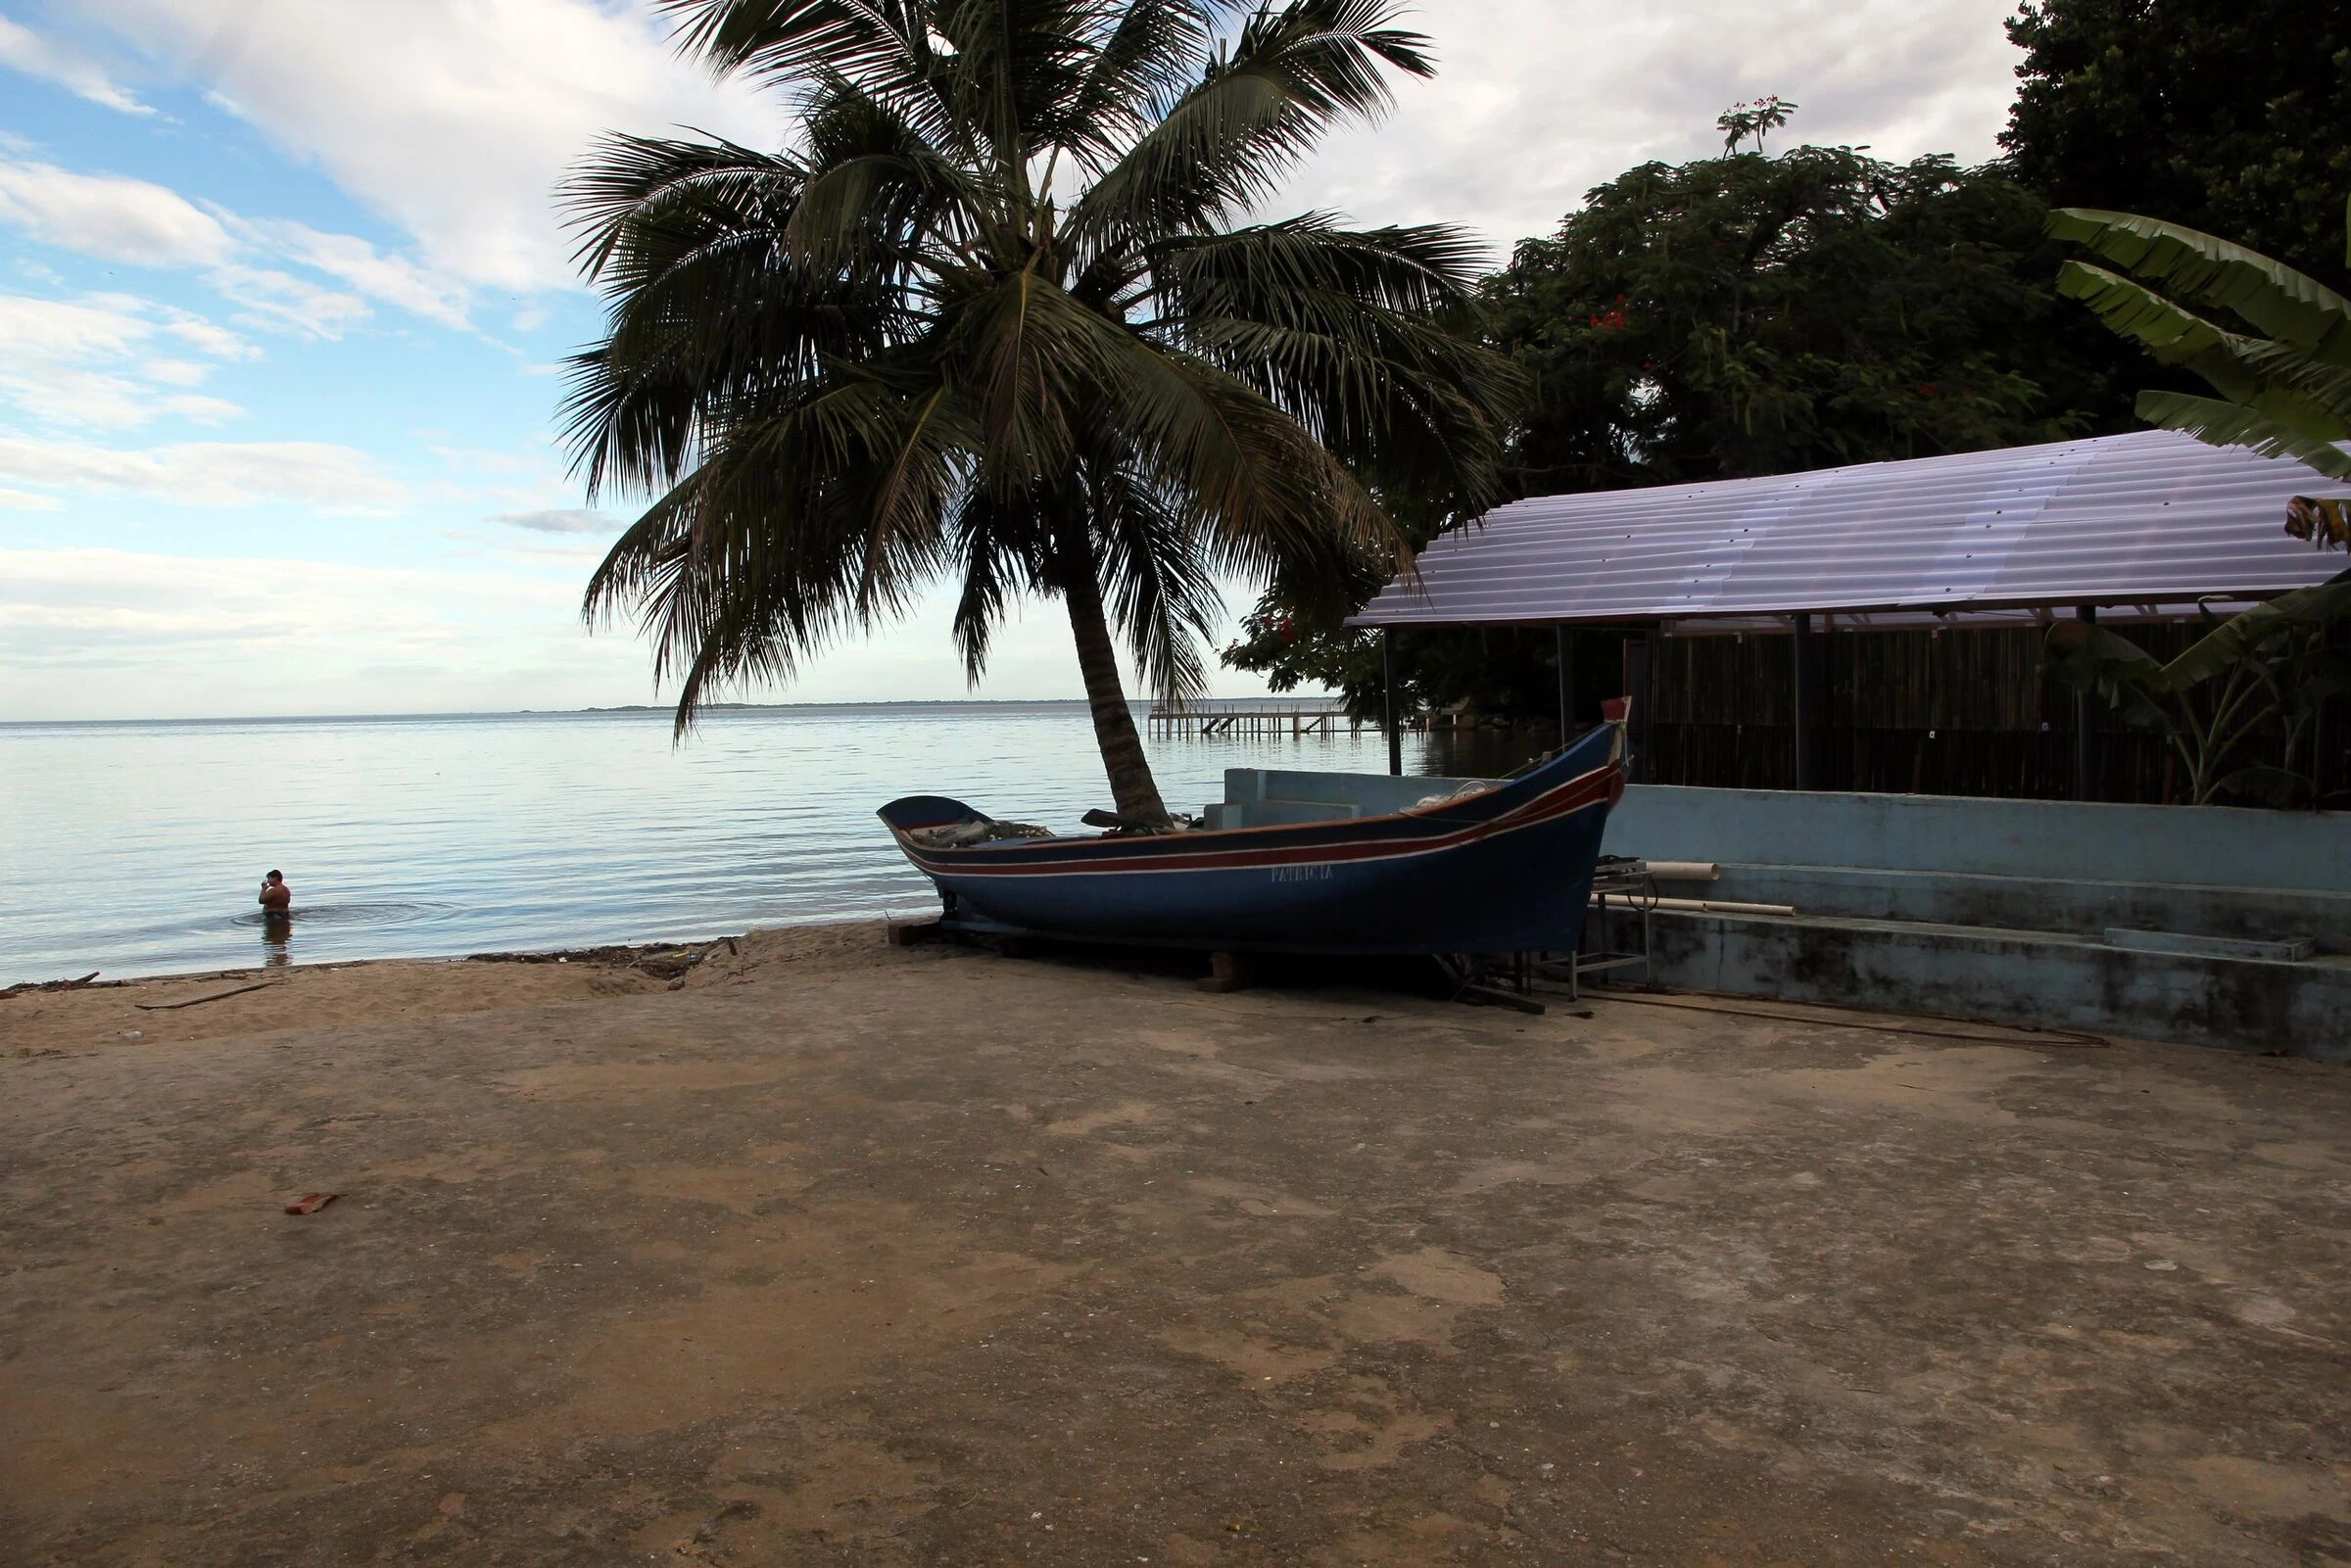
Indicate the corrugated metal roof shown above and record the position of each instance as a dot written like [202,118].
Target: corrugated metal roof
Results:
[2148,518]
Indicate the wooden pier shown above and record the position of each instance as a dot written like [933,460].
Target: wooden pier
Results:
[1250,718]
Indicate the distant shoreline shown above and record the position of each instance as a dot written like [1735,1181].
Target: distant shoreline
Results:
[662,710]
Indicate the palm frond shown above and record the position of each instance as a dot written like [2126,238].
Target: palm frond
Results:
[1266,491]
[627,195]
[826,517]
[1351,334]
[1147,551]
[1294,74]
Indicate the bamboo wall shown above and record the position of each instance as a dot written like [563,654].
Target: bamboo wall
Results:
[1953,712]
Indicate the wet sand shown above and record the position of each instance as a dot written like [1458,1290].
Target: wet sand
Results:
[839,1253]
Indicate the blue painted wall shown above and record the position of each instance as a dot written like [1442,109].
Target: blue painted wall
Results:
[2219,847]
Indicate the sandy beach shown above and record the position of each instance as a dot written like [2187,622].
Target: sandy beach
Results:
[831,1252]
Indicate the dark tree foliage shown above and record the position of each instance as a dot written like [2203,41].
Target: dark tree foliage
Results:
[1745,315]
[1754,315]
[2224,116]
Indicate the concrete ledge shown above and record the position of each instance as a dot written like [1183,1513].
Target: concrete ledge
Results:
[2053,979]
[2028,903]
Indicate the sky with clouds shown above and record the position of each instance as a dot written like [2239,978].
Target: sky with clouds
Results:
[283,290]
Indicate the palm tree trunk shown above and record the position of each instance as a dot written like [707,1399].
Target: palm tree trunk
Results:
[1131,787]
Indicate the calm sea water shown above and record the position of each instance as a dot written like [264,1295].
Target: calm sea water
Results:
[136,849]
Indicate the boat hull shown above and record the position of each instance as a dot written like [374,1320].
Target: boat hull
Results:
[1505,871]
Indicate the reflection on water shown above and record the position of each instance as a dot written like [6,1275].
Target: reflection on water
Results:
[277,938]
[134,848]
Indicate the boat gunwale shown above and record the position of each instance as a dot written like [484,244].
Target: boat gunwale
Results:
[1113,852]
[1334,852]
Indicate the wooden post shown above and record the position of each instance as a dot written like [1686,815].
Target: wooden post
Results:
[1808,768]
[2085,726]
[1387,668]
[1636,688]
[1566,688]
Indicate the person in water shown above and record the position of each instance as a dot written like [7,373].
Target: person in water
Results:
[277,897]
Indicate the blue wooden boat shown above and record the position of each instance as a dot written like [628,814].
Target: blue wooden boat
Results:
[1505,869]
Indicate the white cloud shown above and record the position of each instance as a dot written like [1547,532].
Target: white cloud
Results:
[1537,101]
[284,302]
[322,477]
[25,501]
[176,372]
[99,632]
[391,279]
[116,219]
[455,120]
[110,217]
[451,118]
[92,361]
[92,597]
[23,49]
[560,520]
[206,338]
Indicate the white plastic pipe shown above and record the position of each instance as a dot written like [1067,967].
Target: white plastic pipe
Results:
[1696,905]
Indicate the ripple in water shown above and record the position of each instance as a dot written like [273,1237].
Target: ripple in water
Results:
[389,912]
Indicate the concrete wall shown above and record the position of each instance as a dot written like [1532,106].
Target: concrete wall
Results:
[1967,908]
[2050,840]
[1994,909]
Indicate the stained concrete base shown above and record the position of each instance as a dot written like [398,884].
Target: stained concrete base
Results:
[2051,980]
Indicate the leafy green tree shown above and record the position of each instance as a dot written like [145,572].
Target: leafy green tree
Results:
[1745,315]
[2284,388]
[994,316]
[2224,116]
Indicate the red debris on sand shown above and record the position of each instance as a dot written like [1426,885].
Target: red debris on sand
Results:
[309,1203]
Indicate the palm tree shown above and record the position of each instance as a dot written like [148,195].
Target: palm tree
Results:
[996,316]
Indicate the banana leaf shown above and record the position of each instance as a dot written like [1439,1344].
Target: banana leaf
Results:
[2281,302]
[2232,424]
[2272,786]
[2240,635]
[2117,669]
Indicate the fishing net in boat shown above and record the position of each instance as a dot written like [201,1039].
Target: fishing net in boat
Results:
[961,834]
[1475,787]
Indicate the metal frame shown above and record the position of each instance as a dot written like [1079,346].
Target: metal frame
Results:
[1631,881]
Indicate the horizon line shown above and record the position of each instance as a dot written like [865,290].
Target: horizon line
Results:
[645,708]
